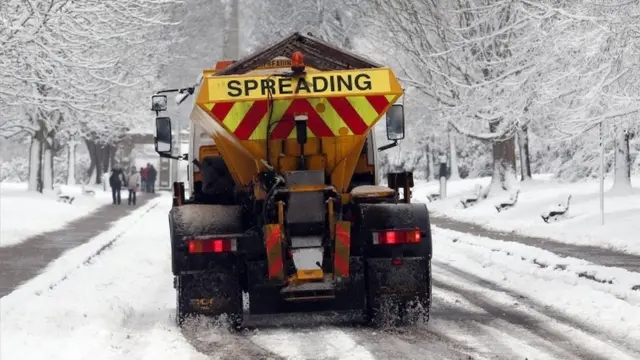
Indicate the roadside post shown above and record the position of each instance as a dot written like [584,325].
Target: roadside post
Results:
[443,176]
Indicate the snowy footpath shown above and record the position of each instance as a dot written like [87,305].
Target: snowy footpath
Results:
[582,226]
[112,298]
[19,208]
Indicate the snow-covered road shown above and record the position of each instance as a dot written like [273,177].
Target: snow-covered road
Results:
[490,301]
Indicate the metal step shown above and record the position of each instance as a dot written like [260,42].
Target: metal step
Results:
[309,291]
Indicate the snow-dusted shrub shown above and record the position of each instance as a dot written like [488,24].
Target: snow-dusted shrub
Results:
[15,169]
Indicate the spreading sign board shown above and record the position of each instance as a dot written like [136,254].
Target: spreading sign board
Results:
[360,82]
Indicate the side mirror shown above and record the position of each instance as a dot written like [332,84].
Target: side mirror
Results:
[163,135]
[395,122]
[159,103]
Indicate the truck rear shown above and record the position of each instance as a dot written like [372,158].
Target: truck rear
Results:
[285,203]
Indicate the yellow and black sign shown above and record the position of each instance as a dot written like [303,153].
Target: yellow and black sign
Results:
[279,62]
[316,84]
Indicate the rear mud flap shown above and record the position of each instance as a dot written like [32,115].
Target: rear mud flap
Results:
[407,280]
[210,293]
[398,293]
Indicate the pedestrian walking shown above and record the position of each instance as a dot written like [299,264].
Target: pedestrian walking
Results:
[116,179]
[133,182]
[143,179]
[151,178]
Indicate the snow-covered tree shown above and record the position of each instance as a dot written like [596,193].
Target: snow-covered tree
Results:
[337,22]
[64,63]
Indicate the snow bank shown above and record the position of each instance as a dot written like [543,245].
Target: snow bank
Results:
[119,306]
[25,214]
[582,226]
[604,299]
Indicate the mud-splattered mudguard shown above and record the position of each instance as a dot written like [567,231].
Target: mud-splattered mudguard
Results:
[401,270]
[211,292]
[208,284]
[407,280]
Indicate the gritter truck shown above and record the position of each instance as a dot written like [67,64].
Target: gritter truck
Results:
[284,199]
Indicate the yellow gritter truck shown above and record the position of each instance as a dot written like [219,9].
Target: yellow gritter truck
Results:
[285,203]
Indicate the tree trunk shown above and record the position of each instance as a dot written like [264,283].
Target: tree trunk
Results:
[105,159]
[431,175]
[47,163]
[622,169]
[100,156]
[453,156]
[525,160]
[71,162]
[503,177]
[35,163]
[47,167]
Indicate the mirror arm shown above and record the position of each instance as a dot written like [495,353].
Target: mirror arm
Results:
[388,146]
[190,90]
[175,157]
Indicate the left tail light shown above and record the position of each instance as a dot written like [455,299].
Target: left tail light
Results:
[393,237]
[200,246]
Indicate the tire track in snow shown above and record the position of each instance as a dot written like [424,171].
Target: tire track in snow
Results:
[211,337]
[543,327]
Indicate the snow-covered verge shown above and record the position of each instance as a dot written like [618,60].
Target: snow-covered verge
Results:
[106,307]
[581,227]
[25,214]
[589,295]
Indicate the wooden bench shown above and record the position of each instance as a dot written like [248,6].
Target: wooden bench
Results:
[557,213]
[66,199]
[508,204]
[471,200]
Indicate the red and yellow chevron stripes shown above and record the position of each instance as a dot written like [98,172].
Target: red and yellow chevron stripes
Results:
[342,249]
[273,244]
[328,117]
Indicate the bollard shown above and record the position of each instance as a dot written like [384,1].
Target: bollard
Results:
[443,177]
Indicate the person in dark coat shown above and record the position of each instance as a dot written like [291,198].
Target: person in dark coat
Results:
[151,178]
[116,179]
[143,179]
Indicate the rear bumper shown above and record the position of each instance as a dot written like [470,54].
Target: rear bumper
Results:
[266,298]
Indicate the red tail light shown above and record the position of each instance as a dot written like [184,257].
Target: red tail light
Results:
[200,246]
[392,237]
